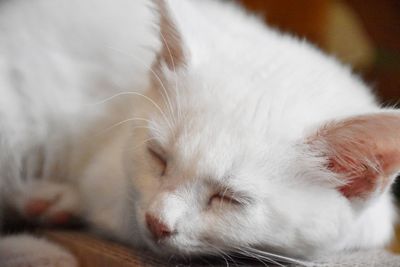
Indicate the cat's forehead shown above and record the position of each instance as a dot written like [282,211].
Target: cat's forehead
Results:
[232,107]
[244,99]
[211,150]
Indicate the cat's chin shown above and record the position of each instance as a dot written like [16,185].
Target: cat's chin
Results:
[164,248]
[167,248]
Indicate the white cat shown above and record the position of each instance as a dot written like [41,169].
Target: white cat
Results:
[238,139]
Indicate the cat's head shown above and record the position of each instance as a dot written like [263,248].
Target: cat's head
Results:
[209,177]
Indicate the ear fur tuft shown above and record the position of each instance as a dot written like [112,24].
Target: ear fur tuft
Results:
[172,52]
[362,151]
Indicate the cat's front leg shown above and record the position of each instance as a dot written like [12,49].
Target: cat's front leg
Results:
[46,202]
[30,251]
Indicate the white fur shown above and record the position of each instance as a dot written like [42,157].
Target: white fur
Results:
[24,250]
[60,63]
[244,102]
[237,113]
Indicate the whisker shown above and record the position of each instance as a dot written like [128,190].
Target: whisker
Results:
[123,122]
[164,94]
[254,256]
[151,101]
[105,100]
[173,67]
[279,257]
[222,253]
[203,259]
[143,143]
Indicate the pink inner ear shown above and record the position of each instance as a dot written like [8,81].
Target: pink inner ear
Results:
[364,151]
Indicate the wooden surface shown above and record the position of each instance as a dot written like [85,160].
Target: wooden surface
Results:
[92,251]
[95,252]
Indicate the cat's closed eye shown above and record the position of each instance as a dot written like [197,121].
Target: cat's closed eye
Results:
[223,197]
[159,157]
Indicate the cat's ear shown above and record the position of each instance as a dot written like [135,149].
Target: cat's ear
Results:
[362,152]
[172,51]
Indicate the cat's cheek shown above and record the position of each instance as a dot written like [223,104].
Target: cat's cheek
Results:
[142,172]
[237,226]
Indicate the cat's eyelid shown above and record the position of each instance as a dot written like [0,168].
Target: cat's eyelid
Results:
[232,198]
[156,148]
[158,154]
[231,195]
[240,198]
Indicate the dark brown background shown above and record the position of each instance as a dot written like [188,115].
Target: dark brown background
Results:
[379,18]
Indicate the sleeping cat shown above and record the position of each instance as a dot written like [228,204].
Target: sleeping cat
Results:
[188,127]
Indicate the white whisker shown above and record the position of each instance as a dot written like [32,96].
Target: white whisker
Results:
[174,70]
[278,257]
[255,256]
[223,254]
[125,121]
[143,143]
[155,105]
[164,92]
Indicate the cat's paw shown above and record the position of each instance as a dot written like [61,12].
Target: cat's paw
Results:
[29,251]
[48,202]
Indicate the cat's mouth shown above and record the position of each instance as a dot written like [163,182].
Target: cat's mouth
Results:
[159,246]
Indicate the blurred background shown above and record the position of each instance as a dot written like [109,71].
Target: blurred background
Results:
[362,33]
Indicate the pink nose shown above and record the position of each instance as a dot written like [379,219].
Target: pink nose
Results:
[157,227]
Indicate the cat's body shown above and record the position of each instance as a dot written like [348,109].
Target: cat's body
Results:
[58,67]
[241,122]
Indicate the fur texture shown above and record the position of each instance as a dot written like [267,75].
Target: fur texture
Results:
[238,138]
[24,250]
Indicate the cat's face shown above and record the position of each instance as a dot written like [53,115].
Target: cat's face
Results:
[208,179]
[212,184]
[215,168]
